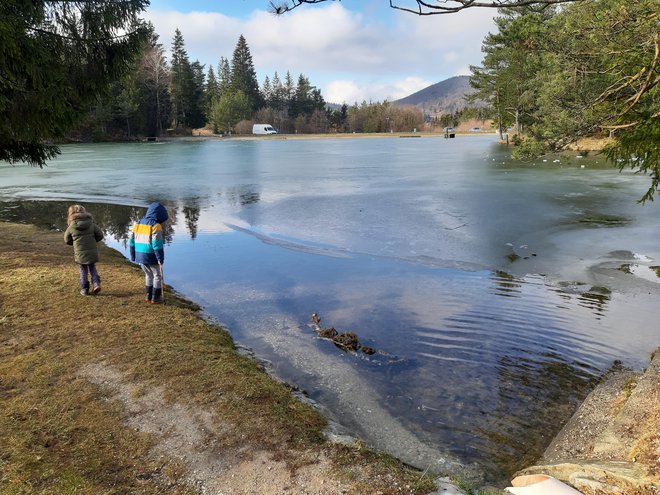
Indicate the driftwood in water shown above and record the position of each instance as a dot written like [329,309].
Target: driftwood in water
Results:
[347,341]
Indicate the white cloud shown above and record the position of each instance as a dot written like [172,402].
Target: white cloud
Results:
[342,92]
[351,56]
[349,91]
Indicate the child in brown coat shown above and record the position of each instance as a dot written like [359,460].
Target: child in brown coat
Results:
[83,235]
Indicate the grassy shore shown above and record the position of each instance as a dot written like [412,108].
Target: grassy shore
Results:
[108,394]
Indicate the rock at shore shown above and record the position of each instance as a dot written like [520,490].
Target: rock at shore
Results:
[611,445]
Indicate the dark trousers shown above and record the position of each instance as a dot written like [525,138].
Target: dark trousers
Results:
[85,272]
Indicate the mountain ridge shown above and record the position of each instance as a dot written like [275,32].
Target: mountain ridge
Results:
[444,97]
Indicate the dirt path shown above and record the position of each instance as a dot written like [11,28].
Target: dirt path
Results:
[190,437]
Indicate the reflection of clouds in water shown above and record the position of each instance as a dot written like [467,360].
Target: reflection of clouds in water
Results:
[212,224]
[645,272]
[351,399]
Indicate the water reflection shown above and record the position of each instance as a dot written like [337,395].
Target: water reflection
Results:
[114,220]
[506,285]
[191,214]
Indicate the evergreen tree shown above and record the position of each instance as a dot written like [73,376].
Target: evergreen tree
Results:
[513,57]
[587,69]
[196,117]
[288,89]
[179,79]
[278,96]
[184,88]
[211,91]
[243,74]
[306,98]
[57,59]
[224,76]
[602,75]
[266,91]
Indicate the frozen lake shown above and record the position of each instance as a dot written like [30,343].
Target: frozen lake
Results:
[495,292]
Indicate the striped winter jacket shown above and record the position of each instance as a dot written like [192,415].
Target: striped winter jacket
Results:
[146,242]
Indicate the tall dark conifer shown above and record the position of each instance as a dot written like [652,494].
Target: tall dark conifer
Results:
[243,74]
[224,76]
[56,60]
[210,91]
[180,81]
[196,116]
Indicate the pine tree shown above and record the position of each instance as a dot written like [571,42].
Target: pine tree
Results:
[56,60]
[224,76]
[306,98]
[197,97]
[266,91]
[277,99]
[289,89]
[180,80]
[243,74]
[211,91]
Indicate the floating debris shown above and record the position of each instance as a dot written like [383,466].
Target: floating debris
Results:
[347,341]
[328,333]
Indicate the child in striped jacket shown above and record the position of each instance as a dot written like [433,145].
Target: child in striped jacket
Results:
[146,247]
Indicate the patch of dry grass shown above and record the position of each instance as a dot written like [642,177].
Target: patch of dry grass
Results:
[62,434]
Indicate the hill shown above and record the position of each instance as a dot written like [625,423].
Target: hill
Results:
[447,96]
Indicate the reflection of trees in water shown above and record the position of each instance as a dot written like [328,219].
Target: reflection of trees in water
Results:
[117,220]
[46,214]
[595,299]
[548,389]
[191,214]
[245,194]
[114,220]
[506,285]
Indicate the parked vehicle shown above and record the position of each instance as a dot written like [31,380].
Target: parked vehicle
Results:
[263,129]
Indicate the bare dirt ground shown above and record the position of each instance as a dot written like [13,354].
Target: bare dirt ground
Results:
[190,437]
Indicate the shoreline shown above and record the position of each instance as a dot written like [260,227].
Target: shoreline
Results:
[115,395]
[580,147]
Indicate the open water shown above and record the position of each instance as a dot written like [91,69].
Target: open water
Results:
[494,292]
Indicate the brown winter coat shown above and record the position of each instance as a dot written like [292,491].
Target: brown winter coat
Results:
[83,235]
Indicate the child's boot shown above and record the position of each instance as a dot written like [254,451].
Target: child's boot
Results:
[158,296]
[149,293]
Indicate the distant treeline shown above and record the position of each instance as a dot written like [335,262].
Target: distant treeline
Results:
[158,96]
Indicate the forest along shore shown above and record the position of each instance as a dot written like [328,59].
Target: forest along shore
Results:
[108,393]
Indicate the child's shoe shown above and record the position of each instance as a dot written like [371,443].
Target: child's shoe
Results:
[84,291]
[149,293]
[158,296]
[96,289]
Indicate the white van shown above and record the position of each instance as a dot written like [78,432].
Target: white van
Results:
[263,129]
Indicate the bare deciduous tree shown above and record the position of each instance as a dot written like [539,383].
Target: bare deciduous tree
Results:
[430,7]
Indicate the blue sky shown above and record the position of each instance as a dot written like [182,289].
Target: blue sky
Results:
[352,50]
